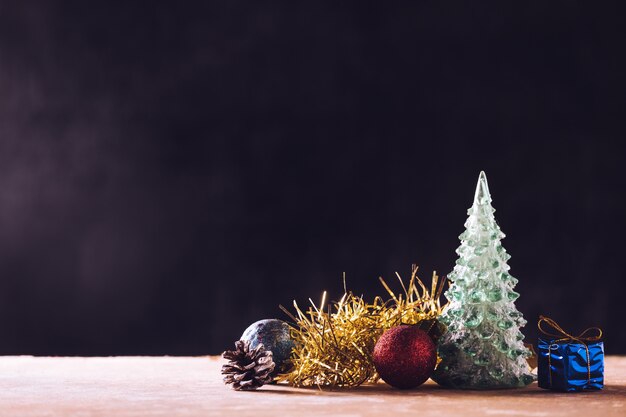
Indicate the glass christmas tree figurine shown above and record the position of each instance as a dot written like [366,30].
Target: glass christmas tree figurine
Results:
[482,348]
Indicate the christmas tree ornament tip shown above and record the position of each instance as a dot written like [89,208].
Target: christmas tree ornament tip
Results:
[482,194]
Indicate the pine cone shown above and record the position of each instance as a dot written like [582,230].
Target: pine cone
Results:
[247,369]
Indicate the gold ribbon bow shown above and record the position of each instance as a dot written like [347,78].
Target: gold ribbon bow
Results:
[562,336]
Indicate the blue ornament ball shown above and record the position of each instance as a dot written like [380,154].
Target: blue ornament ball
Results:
[274,334]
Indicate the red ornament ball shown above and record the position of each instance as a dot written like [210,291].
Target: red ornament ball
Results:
[405,356]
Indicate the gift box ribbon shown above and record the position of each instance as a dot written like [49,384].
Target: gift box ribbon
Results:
[562,336]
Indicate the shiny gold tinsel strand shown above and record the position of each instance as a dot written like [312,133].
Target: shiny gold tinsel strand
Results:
[334,344]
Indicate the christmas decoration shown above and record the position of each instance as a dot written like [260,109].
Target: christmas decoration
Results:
[482,348]
[247,368]
[570,363]
[405,356]
[333,348]
[274,335]
[418,306]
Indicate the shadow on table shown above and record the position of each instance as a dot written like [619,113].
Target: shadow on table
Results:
[531,391]
[432,389]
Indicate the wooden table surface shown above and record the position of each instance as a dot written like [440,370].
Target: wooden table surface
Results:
[192,386]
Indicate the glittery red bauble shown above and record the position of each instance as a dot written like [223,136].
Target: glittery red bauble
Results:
[405,356]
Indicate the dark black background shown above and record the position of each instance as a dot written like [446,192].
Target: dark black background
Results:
[171,172]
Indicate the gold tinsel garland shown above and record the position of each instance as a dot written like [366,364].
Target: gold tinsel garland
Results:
[333,347]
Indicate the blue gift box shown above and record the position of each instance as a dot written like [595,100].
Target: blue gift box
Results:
[563,365]
[570,363]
